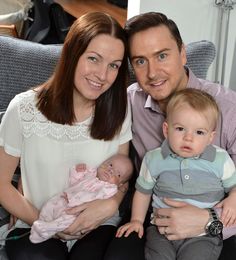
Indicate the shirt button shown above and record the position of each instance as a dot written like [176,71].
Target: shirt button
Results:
[186,177]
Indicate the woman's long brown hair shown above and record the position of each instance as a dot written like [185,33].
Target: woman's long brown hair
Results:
[55,98]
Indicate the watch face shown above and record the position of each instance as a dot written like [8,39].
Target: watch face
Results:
[215,228]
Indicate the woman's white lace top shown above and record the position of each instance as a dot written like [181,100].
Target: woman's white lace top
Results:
[47,150]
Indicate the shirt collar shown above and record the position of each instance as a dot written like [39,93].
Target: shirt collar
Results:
[193,81]
[152,104]
[208,154]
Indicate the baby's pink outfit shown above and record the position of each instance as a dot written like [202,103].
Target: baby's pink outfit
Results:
[83,187]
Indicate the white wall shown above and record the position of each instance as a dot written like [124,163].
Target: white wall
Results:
[198,20]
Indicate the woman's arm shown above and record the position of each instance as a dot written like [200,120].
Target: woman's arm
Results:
[93,214]
[10,198]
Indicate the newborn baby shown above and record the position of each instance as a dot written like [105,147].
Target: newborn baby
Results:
[85,184]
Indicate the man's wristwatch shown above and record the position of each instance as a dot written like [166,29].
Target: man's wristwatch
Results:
[214,226]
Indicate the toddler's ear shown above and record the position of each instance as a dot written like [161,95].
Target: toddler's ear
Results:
[212,136]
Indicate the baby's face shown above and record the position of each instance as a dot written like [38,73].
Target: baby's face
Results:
[112,170]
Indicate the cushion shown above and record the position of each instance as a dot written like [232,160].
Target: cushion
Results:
[24,64]
[200,55]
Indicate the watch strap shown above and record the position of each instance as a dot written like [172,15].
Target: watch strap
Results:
[212,215]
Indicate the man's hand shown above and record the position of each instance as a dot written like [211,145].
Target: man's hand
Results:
[180,221]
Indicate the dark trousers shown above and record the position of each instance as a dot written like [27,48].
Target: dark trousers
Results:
[196,248]
[94,246]
[132,247]
[128,248]
[91,247]
[229,249]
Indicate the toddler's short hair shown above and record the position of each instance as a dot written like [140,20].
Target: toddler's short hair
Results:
[197,99]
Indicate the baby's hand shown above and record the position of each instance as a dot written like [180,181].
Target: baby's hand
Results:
[80,167]
[65,197]
[134,225]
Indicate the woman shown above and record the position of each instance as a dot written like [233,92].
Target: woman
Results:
[79,114]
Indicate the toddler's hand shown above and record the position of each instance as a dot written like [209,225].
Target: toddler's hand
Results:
[134,225]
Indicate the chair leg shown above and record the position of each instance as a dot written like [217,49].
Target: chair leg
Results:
[9,30]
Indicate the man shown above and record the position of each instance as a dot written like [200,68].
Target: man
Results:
[158,57]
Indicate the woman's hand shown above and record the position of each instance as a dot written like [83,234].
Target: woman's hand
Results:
[181,221]
[90,216]
[64,236]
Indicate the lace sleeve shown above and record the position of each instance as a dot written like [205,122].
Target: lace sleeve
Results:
[10,130]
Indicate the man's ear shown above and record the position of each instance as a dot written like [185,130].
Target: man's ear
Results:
[165,129]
